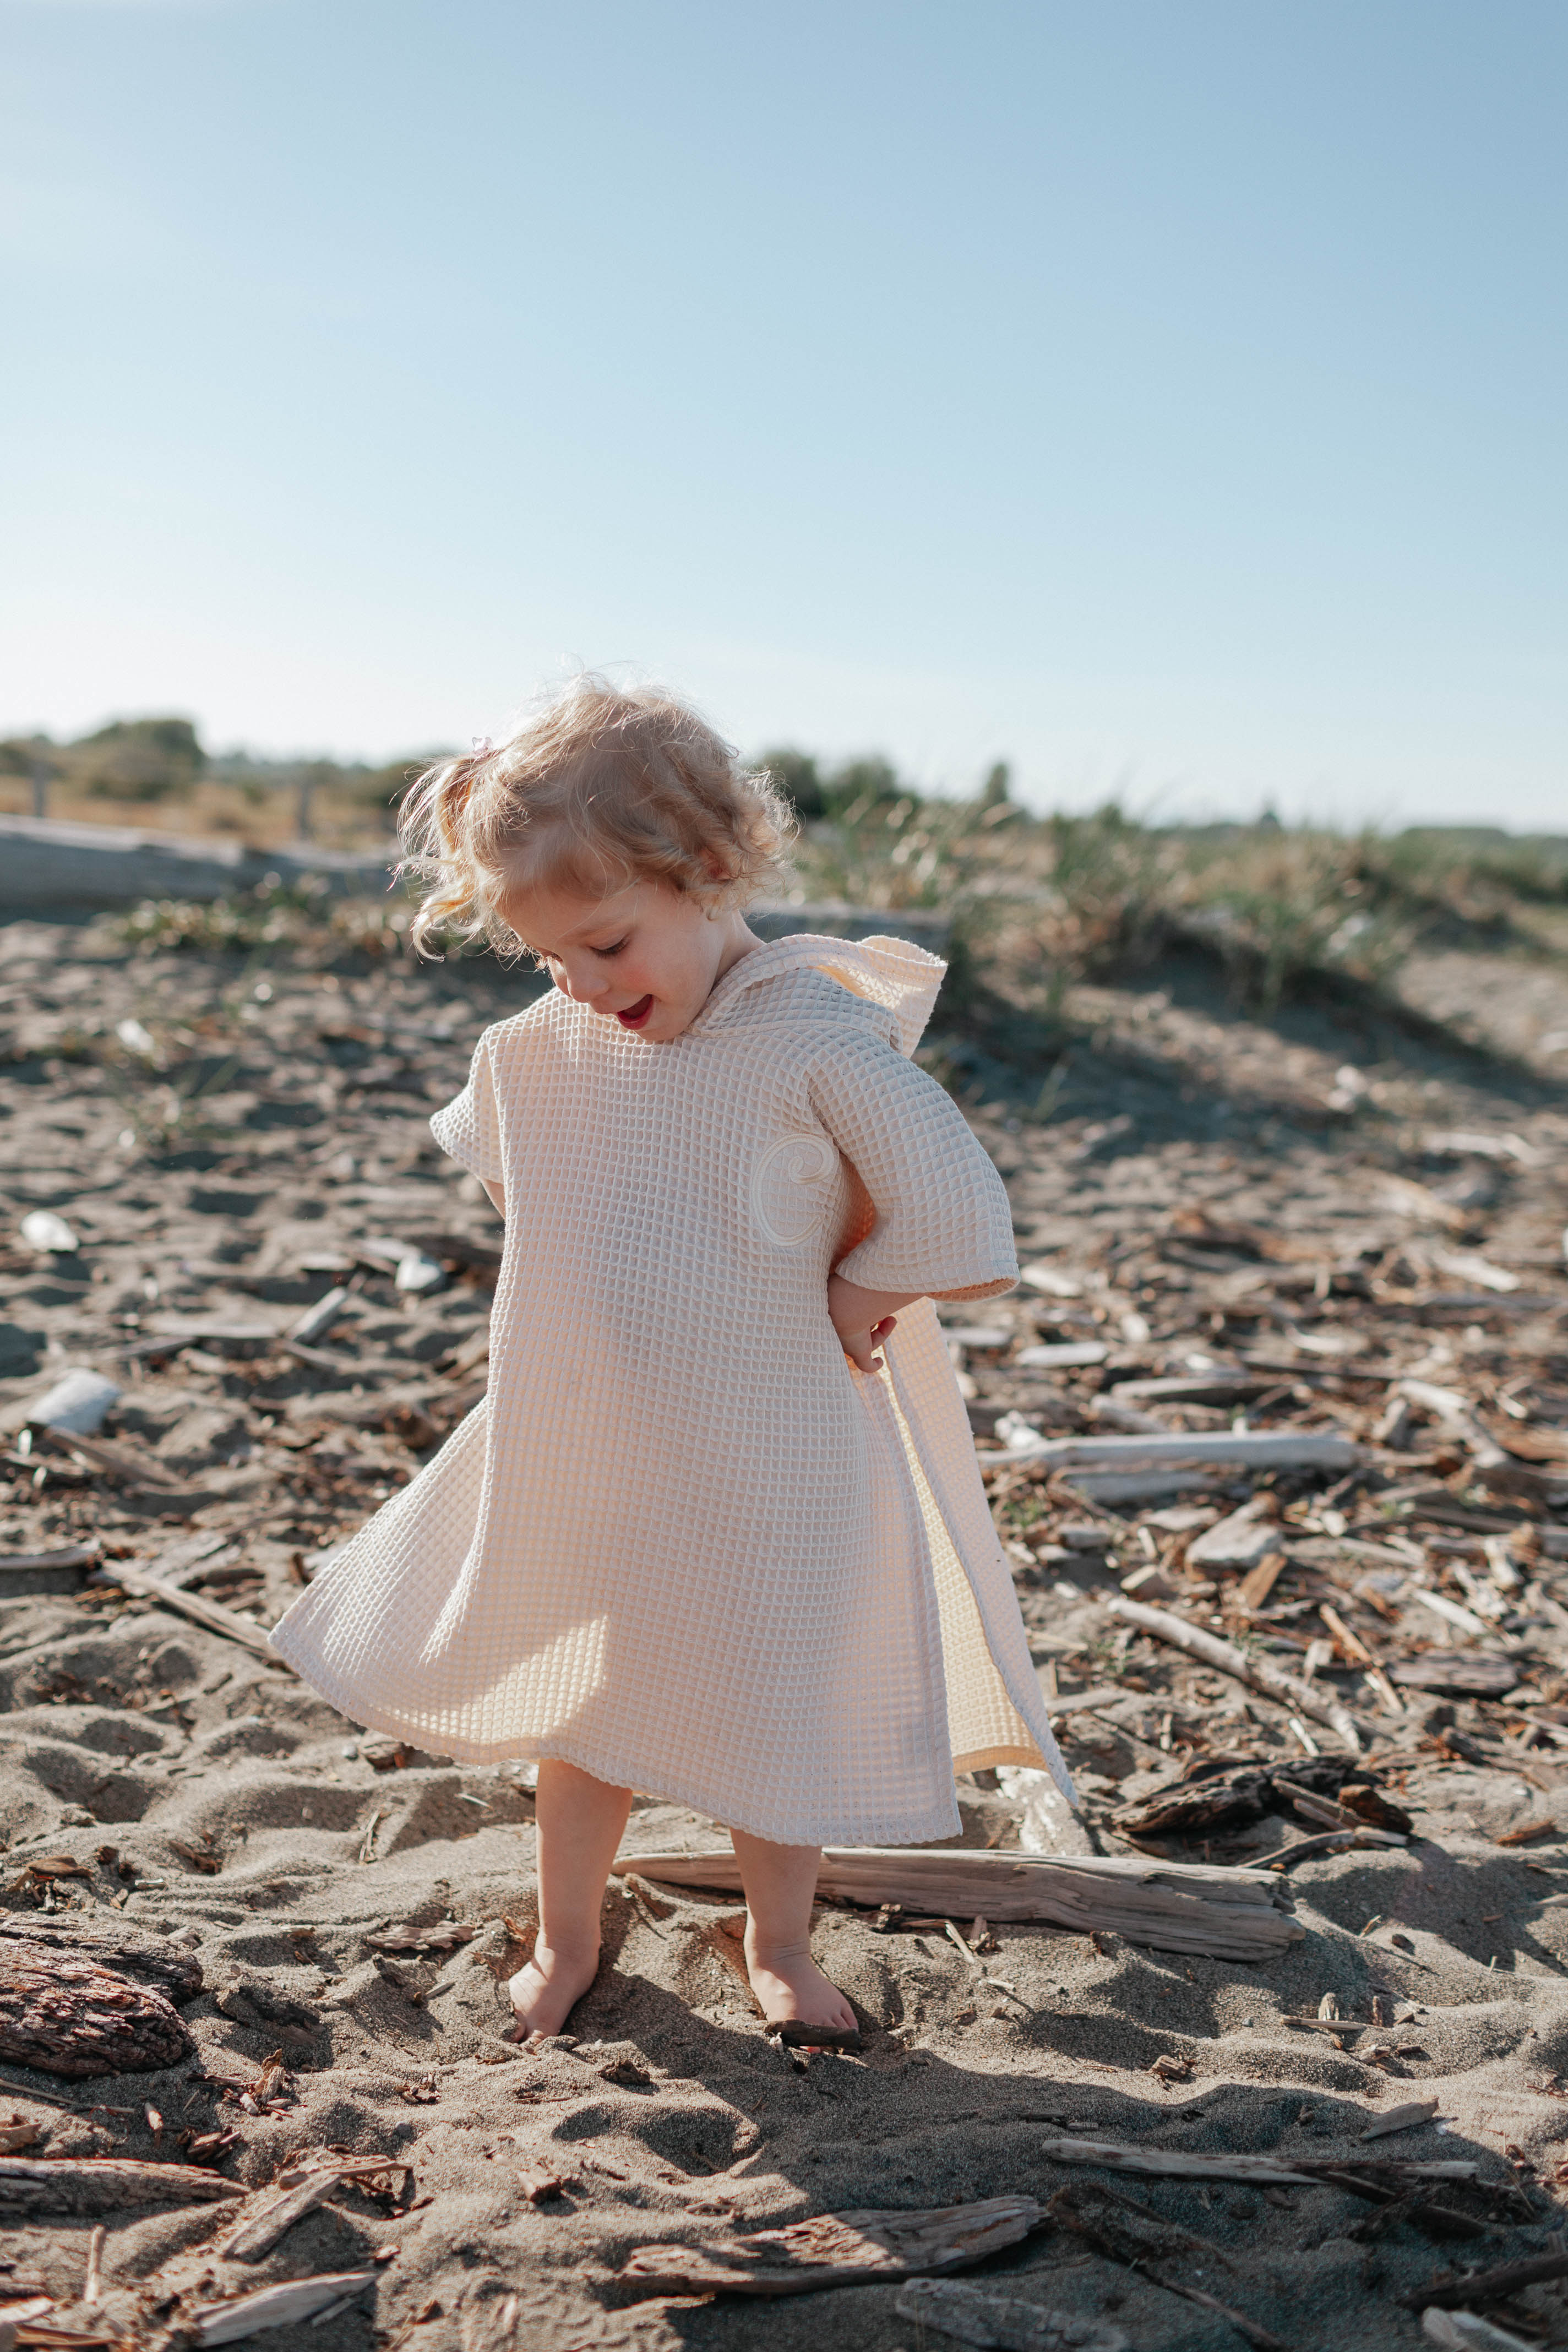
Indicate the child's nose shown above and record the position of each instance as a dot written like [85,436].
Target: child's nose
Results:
[582,986]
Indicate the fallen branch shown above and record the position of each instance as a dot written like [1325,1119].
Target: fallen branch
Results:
[1455,2291]
[1256,2335]
[1174,1907]
[1332,1841]
[1253,1449]
[1174,2164]
[1258,1673]
[1115,2225]
[1118,2156]
[210,1613]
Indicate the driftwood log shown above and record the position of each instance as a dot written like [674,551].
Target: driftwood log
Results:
[150,1959]
[836,2250]
[67,2015]
[104,2184]
[1174,1907]
[1259,1672]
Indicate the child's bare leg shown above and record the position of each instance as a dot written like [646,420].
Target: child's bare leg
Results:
[580,1824]
[780,1882]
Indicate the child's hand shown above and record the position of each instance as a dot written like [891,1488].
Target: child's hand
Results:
[862,1318]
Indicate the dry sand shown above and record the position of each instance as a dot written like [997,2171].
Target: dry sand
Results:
[209,1796]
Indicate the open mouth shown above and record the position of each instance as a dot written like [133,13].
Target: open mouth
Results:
[635,1014]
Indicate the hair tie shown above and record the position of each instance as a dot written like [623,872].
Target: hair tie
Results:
[482,746]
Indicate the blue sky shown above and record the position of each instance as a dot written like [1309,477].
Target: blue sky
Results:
[1164,394]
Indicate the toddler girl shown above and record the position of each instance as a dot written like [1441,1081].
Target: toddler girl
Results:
[717,1532]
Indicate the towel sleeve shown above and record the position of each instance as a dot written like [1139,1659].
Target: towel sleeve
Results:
[943,1226]
[468,1127]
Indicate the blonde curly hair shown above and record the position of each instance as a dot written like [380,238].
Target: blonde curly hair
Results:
[598,787]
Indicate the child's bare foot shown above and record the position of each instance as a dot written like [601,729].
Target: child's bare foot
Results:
[545,1993]
[792,1989]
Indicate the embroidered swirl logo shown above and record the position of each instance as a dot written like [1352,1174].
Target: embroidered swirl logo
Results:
[791,1184]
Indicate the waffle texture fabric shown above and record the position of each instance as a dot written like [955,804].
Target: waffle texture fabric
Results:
[683,1543]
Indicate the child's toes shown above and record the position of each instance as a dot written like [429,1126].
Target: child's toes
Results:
[523,1993]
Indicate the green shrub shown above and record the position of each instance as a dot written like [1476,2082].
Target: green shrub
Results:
[138,760]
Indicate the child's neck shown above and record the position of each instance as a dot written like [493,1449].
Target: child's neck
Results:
[739,940]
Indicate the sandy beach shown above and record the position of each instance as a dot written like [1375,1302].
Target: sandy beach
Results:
[1221,1226]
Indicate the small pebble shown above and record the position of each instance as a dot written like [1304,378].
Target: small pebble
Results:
[48,1234]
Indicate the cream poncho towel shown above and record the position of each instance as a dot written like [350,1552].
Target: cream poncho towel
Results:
[682,1543]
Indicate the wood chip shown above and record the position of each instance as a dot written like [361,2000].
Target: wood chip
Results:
[537,2180]
[274,2306]
[1464,1672]
[1414,2112]
[260,2229]
[1258,1583]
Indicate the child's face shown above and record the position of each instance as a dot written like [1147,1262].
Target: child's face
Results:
[647,958]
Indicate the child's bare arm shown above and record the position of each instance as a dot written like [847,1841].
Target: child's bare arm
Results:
[497,1198]
[861,1318]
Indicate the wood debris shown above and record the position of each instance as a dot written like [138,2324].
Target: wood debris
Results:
[66,2015]
[260,2229]
[1451,2291]
[1255,1671]
[103,2184]
[1408,2117]
[275,2307]
[210,1613]
[836,2250]
[975,2317]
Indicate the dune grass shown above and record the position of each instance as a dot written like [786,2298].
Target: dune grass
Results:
[1042,902]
